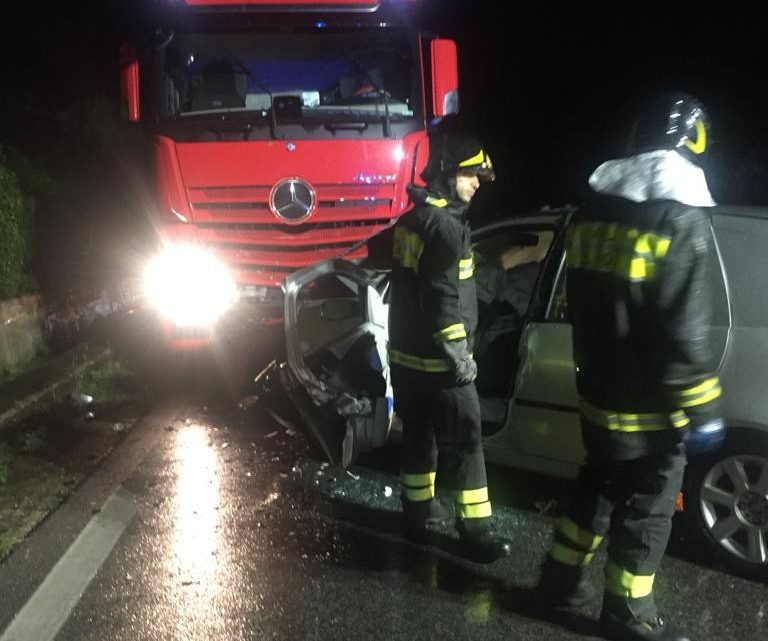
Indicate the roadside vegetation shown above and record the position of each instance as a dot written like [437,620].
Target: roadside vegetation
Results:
[44,458]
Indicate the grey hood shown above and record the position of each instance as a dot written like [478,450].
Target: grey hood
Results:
[653,175]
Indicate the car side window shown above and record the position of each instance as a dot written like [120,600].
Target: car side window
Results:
[507,266]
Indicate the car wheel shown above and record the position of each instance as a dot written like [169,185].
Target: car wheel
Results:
[726,499]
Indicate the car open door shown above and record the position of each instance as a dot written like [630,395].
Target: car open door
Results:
[525,367]
[545,407]
[337,373]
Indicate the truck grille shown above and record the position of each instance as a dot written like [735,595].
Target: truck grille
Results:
[262,249]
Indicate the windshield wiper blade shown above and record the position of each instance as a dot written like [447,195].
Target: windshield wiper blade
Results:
[341,126]
[226,121]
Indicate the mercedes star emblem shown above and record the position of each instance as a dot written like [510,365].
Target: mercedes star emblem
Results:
[292,199]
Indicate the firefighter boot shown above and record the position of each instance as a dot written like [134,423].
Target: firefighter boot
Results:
[418,515]
[480,542]
[565,586]
[635,620]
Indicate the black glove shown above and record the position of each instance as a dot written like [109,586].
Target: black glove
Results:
[462,363]
[706,430]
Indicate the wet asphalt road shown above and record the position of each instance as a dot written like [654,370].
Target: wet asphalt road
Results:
[236,532]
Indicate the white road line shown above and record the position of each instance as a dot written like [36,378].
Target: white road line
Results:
[49,607]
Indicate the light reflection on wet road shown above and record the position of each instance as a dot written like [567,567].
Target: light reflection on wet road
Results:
[193,559]
[240,535]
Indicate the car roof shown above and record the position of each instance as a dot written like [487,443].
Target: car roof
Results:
[558,215]
[739,210]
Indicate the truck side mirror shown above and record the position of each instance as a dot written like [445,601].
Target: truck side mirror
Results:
[129,81]
[445,78]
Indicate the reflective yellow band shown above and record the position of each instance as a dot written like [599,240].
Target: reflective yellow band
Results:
[479,607]
[703,400]
[640,269]
[451,333]
[625,584]
[473,504]
[624,422]
[679,419]
[407,248]
[472,496]
[477,159]
[417,363]
[583,538]
[476,511]
[569,556]
[418,480]
[466,268]
[418,487]
[614,249]
[418,493]
[701,394]
[700,146]
[436,202]
[651,245]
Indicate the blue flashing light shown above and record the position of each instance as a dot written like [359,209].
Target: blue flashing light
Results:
[320,24]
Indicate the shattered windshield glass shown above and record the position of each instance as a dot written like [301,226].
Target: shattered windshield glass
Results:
[329,74]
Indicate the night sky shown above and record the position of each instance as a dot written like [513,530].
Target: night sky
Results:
[571,78]
[574,84]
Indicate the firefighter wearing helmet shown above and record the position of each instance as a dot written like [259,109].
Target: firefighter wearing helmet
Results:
[639,302]
[433,315]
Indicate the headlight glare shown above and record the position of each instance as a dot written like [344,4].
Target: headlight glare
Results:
[189,285]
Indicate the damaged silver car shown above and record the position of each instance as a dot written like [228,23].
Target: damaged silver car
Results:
[338,378]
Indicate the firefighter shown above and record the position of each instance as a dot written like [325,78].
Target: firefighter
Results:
[433,314]
[639,302]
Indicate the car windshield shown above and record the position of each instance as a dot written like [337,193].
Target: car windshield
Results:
[334,74]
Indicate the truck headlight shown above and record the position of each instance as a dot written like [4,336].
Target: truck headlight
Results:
[189,286]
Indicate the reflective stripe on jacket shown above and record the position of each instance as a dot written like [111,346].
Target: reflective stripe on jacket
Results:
[639,300]
[433,294]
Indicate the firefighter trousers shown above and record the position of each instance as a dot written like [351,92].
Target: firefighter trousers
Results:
[442,441]
[631,500]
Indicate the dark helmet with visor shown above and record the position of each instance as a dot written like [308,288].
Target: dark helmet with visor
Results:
[673,121]
[461,152]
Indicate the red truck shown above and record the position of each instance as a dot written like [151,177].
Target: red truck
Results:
[285,133]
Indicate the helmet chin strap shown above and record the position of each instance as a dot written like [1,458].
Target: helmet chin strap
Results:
[445,187]
[451,181]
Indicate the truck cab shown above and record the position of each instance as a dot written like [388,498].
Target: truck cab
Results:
[284,134]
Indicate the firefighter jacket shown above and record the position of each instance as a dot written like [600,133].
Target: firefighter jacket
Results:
[433,296]
[639,300]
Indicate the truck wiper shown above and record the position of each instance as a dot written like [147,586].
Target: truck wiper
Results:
[234,119]
[379,89]
[342,126]
[273,118]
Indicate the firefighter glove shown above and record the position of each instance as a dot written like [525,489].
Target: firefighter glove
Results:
[706,433]
[462,363]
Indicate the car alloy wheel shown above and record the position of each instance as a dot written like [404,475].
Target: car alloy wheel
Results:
[733,501]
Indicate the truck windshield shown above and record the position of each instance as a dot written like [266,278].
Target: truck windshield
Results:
[334,75]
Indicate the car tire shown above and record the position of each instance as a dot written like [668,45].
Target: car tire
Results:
[726,502]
